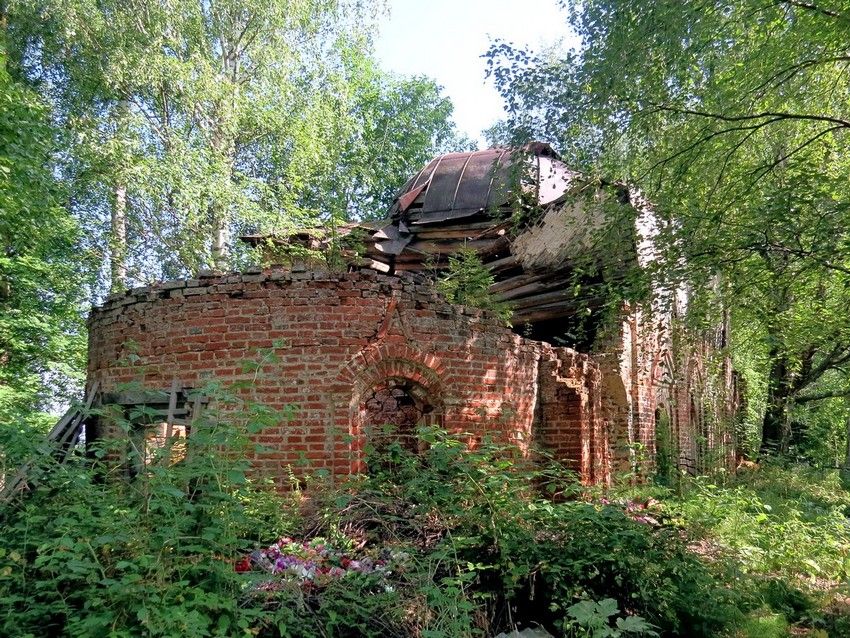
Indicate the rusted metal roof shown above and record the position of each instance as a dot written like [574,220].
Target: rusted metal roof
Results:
[459,185]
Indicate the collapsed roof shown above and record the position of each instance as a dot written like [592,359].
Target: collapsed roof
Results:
[530,219]
[519,210]
[472,191]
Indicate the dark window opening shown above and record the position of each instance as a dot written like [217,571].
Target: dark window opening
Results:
[665,465]
[577,331]
[157,425]
[392,414]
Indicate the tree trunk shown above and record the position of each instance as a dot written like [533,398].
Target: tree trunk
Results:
[844,472]
[225,148]
[118,216]
[219,242]
[118,239]
[776,430]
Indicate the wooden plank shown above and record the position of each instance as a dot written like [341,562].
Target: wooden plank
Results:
[380,266]
[492,230]
[555,310]
[449,247]
[500,243]
[81,415]
[197,407]
[532,288]
[461,233]
[513,282]
[425,230]
[69,448]
[567,297]
[136,397]
[540,315]
[192,426]
[558,277]
[60,426]
[66,430]
[153,413]
[172,405]
[13,485]
[500,265]
[420,266]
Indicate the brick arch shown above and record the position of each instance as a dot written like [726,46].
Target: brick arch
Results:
[375,367]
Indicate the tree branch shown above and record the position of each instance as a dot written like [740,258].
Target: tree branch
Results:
[809,6]
[791,71]
[764,170]
[774,115]
[821,396]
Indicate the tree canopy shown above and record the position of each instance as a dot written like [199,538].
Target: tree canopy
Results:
[42,265]
[731,117]
[190,123]
[139,139]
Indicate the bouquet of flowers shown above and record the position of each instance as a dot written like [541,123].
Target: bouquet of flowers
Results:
[316,563]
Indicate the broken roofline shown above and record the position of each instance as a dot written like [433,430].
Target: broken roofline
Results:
[467,201]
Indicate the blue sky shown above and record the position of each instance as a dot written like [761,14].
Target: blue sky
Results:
[444,39]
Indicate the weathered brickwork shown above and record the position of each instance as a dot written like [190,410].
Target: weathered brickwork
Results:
[341,347]
[350,354]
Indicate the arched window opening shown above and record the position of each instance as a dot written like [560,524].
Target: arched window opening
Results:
[393,411]
[665,465]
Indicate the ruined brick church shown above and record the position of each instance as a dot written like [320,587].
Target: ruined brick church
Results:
[371,350]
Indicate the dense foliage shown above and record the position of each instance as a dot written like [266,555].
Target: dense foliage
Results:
[42,264]
[139,139]
[449,543]
[187,124]
[731,117]
[777,534]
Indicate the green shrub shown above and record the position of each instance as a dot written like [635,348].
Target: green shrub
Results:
[90,554]
[763,623]
[467,283]
[779,522]
[491,541]
[786,599]
[521,555]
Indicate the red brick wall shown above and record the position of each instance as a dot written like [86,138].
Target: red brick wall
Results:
[649,362]
[328,341]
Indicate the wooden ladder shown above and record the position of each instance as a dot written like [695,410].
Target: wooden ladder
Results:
[59,443]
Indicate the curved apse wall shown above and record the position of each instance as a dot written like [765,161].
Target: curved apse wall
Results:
[339,341]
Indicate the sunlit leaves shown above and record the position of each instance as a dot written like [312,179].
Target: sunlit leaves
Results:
[732,117]
[40,263]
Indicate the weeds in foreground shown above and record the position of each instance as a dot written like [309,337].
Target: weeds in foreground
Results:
[779,535]
[483,542]
[450,542]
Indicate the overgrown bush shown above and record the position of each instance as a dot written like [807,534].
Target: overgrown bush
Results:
[87,553]
[790,523]
[518,545]
[778,535]
[482,541]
